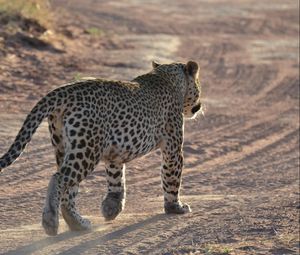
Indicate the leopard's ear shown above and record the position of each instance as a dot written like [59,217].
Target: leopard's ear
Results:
[192,68]
[155,64]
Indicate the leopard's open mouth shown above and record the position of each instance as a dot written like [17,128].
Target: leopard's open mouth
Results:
[196,108]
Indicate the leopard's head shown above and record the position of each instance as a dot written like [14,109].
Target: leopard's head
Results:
[192,104]
[186,78]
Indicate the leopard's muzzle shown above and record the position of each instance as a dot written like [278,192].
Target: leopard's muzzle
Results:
[196,108]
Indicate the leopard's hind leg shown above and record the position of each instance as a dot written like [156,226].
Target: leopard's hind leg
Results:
[66,194]
[69,212]
[62,190]
[50,218]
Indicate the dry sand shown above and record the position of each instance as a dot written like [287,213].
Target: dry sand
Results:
[241,160]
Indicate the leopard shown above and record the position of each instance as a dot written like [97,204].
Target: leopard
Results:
[112,121]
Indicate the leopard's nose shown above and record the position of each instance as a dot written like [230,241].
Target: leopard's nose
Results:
[196,108]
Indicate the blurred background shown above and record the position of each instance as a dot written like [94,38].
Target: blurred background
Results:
[241,174]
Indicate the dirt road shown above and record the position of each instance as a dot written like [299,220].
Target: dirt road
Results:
[241,159]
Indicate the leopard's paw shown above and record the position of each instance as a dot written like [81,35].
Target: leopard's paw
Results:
[112,205]
[176,208]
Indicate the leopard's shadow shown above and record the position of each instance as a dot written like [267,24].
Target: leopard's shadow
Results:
[81,247]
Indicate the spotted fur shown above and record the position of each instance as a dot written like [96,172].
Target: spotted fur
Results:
[116,122]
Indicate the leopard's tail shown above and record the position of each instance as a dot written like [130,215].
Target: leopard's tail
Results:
[40,111]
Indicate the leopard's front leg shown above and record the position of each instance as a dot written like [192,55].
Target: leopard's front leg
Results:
[114,201]
[171,170]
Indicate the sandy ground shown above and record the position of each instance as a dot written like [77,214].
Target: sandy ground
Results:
[241,160]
